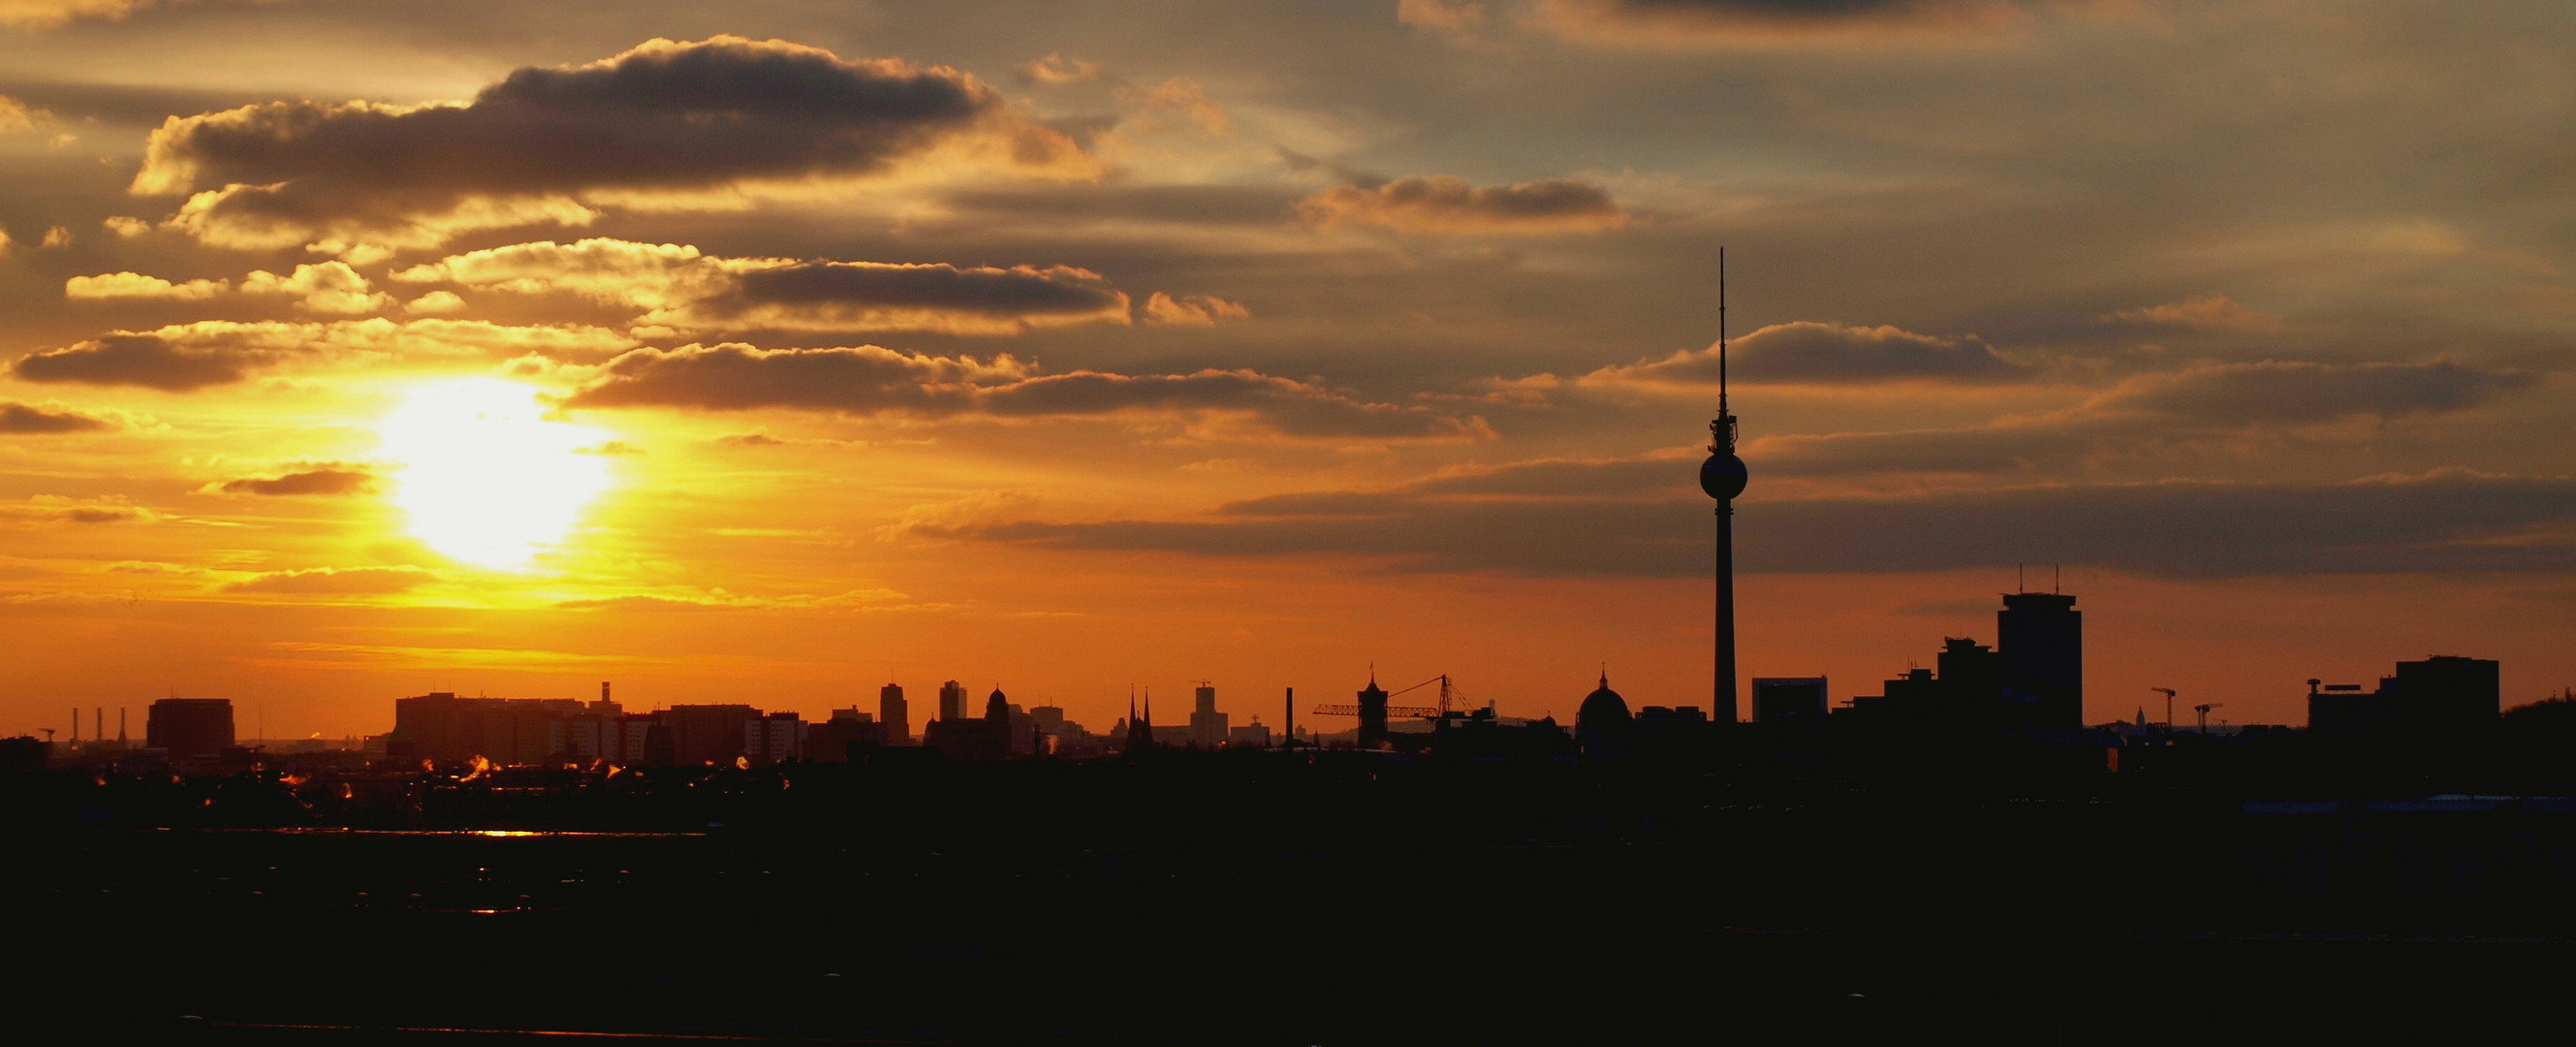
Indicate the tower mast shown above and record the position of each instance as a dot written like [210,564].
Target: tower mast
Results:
[1723,476]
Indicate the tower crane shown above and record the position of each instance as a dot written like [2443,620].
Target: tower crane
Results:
[2168,692]
[2203,710]
[1448,696]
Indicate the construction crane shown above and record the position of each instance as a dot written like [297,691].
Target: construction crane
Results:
[1448,697]
[1423,711]
[2168,692]
[2203,710]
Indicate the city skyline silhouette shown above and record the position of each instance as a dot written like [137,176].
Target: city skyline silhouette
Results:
[1650,520]
[1096,363]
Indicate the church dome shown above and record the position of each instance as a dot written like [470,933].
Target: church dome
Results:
[1603,705]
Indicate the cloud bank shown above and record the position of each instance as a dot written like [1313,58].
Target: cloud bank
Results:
[19,419]
[207,353]
[1644,517]
[1447,204]
[873,380]
[554,144]
[681,289]
[1807,352]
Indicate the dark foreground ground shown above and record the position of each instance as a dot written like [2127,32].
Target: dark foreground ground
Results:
[1305,904]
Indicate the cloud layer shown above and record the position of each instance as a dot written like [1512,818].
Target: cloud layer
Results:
[323,480]
[679,288]
[1828,353]
[1642,517]
[29,420]
[553,144]
[1770,23]
[1446,204]
[872,380]
[185,357]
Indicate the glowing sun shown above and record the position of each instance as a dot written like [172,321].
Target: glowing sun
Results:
[486,477]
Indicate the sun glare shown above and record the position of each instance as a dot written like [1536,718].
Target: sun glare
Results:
[486,477]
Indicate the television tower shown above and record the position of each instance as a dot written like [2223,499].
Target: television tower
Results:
[1723,477]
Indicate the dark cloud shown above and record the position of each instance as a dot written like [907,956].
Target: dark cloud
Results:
[337,581]
[874,380]
[2150,417]
[323,481]
[1304,164]
[29,420]
[2303,391]
[2442,523]
[856,294]
[2039,447]
[678,287]
[147,360]
[865,379]
[1682,23]
[51,509]
[1823,10]
[664,117]
[1811,352]
[1444,204]
[185,357]
[1195,205]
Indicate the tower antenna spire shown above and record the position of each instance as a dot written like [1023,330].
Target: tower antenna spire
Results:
[1721,346]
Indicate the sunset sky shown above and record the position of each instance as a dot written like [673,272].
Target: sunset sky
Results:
[770,352]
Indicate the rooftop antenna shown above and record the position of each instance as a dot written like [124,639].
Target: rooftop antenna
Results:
[2057,579]
[2021,579]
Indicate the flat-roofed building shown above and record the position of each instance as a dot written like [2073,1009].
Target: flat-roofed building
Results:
[190,727]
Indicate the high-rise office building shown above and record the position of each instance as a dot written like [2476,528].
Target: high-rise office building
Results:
[2444,697]
[1779,698]
[2040,638]
[775,738]
[442,726]
[705,734]
[894,714]
[189,727]
[1207,726]
[842,737]
[952,701]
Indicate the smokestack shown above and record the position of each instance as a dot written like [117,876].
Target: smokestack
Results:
[1292,718]
[75,725]
[120,727]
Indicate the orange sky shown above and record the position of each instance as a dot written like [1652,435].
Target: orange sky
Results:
[358,350]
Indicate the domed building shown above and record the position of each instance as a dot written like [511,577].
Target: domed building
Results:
[1602,724]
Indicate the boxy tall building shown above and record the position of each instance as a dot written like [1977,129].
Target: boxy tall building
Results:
[190,727]
[2040,637]
[1783,698]
[895,714]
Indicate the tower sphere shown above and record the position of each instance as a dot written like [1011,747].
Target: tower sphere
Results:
[1723,476]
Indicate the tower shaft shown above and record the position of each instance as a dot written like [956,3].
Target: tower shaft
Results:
[1725,708]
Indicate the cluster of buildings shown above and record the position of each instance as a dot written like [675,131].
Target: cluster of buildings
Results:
[176,729]
[2029,685]
[445,727]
